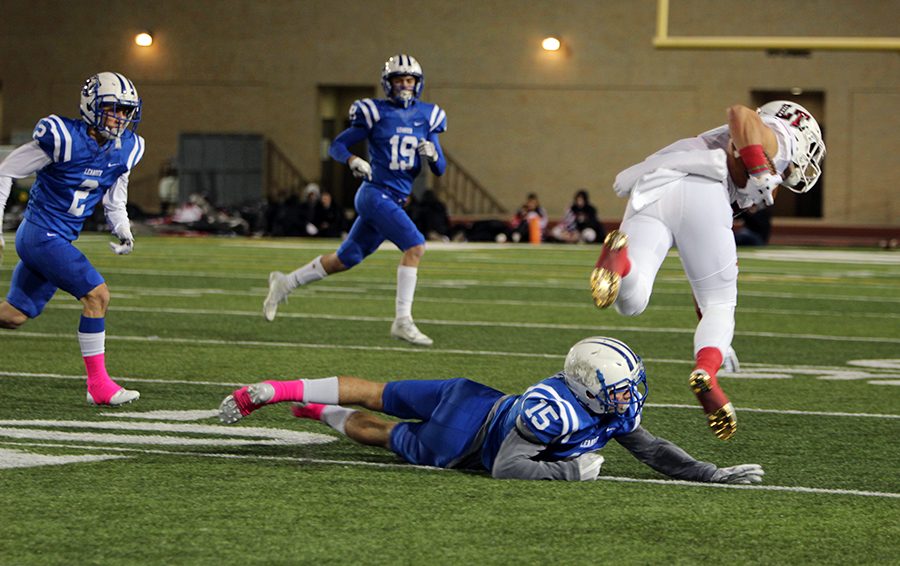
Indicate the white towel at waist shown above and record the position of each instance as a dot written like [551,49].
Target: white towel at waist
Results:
[648,180]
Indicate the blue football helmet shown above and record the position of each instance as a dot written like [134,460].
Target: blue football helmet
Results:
[400,65]
[607,376]
[106,94]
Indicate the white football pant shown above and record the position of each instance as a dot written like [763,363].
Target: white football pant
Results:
[693,215]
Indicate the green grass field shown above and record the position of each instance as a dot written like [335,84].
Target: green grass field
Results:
[161,482]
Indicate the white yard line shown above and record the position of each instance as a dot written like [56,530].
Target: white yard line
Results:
[479,323]
[404,466]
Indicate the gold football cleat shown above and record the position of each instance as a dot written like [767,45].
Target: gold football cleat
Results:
[722,421]
[606,277]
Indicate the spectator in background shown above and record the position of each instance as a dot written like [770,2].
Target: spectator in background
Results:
[430,216]
[532,209]
[329,218]
[168,187]
[311,195]
[580,224]
[754,227]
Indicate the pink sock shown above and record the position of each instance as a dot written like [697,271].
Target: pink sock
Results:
[287,390]
[99,384]
[308,411]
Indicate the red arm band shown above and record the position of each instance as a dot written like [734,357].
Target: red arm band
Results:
[755,159]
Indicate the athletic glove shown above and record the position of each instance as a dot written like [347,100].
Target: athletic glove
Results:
[126,241]
[762,177]
[745,474]
[589,466]
[761,188]
[361,168]
[427,151]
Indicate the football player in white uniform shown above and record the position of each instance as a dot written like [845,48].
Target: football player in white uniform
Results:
[682,196]
[79,163]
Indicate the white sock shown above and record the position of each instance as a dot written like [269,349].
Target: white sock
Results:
[406,288]
[336,417]
[324,391]
[92,343]
[309,273]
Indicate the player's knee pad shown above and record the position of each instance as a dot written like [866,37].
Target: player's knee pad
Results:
[633,298]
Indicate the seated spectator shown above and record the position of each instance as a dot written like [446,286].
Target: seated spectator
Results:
[168,187]
[329,218]
[580,224]
[754,227]
[430,217]
[519,225]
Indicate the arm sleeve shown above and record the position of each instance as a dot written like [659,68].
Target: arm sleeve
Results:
[25,160]
[340,147]
[439,166]
[665,457]
[114,202]
[515,460]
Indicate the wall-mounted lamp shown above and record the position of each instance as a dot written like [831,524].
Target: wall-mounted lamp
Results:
[144,39]
[551,44]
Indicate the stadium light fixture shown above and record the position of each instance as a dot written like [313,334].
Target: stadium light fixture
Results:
[551,43]
[144,39]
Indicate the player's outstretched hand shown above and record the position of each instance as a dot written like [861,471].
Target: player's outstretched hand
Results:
[744,473]
[124,247]
[427,151]
[360,168]
[2,241]
[589,466]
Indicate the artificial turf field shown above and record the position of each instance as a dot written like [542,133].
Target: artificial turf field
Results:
[162,482]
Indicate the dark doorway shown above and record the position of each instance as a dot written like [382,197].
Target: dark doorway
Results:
[334,110]
[787,203]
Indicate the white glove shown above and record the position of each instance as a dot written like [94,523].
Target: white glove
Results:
[360,168]
[126,241]
[745,473]
[761,188]
[589,466]
[427,151]
[730,362]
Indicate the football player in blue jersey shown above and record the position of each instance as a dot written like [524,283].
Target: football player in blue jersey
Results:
[551,431]
[403,133]
[78,164]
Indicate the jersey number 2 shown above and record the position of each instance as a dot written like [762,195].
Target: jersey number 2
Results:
[403,152]
[78,198]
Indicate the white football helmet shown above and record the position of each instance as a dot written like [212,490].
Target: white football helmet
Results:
[599,369]
[107,93]
[810,148]
[400,65]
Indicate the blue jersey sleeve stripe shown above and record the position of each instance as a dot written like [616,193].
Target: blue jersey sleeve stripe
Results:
[57,140]
[437,117]
[376,116]
[66,137]
[136,152]
[365,112]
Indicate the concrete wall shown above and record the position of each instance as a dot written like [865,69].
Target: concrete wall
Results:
[519,119]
